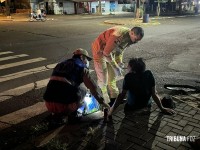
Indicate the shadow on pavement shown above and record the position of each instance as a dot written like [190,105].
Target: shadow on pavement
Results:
[135,132]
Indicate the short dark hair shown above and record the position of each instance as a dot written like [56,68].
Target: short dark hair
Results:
[138,31]
[137,65]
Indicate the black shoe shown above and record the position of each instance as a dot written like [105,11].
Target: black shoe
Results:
[123,101]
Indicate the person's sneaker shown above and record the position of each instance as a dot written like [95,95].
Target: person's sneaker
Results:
[123,101]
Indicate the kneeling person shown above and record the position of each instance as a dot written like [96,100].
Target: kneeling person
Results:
[64,93]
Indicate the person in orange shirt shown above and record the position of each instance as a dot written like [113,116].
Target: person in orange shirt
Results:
[107,50]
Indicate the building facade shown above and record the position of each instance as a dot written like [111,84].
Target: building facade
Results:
[80,6]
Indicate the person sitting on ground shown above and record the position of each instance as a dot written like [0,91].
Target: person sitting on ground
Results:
[64,92]
[140,85]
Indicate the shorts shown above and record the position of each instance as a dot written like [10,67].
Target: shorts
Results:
[54,107]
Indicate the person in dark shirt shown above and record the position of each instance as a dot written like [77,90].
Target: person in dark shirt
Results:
[139,83]
[64,92]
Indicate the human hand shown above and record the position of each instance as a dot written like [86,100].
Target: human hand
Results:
[108,117]
[168,111]
[121,65]
[118,71]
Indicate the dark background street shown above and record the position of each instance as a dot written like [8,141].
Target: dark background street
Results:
[162,47]
[171,51]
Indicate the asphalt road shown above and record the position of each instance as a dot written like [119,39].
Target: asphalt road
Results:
[171,49]
[29,50]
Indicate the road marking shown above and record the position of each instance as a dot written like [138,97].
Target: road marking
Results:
[22,115]
[31,111]
[21,63]
[3,53]
[25,88]
[22,89]
[26,72]
[13,57]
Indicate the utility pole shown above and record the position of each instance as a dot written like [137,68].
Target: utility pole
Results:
[137,15]
[100,7]
[197,7]
[7,3]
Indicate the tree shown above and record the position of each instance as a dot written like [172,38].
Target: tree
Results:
[143,9]
[158,8]
[180,9]
[137,15]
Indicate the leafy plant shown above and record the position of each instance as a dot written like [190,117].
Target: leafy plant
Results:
[38,128]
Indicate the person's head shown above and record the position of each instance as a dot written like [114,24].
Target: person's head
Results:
[136,65]
[136,34]
[83,55]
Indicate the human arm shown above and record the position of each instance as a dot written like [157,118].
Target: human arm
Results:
[110,45]
[119,57]
[115,60]
[90,84]
[156,98]
[117,102]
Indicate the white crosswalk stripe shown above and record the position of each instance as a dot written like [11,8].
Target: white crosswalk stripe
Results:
[13,57]
[26,72]
[8,52]
[25,88]
[22,114]
[28,112]
[22,89]
[21,63]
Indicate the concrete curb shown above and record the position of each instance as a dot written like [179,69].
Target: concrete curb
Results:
[113,22]
[119,22]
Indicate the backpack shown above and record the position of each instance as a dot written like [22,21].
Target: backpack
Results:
[71,69]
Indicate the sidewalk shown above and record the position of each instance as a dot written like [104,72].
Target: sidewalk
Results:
[25,17]
[127,20]
[152,20]
[19,17]
[15,17]
[140,130]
